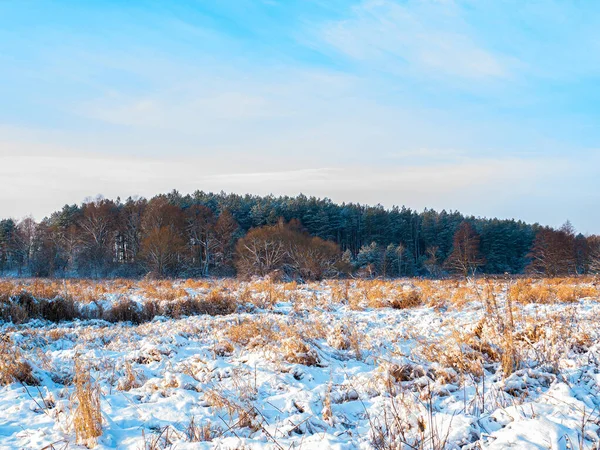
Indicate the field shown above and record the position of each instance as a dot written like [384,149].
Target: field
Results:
[415,364]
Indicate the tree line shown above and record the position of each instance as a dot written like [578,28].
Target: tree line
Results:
[219,234]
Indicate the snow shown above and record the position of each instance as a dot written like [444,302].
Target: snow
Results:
[380,383]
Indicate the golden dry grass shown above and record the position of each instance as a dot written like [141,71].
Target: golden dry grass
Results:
[87,416]
[551,290]
[13,367]
[484,328]
[130,379]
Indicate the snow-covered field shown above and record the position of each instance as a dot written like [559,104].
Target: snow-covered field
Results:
[343,365]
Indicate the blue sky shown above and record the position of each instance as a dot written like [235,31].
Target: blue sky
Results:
[488,107]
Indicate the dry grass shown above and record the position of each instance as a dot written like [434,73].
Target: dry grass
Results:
[13,367]
[161,290]
[407,299]
[85,401]
[326,412]
[199,432]
[345,336]
[251,333]
[196,284]
[282,341]
[551,291]
[512,341]
[240,415]
[340,292]
[507,341]
[294,350]
[460,352]
[130,379]
[64,300]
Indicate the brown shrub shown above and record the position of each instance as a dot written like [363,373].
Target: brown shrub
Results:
[125,310]
[12,312]
[407,299]
[59,309]
[23,307]
[217,303]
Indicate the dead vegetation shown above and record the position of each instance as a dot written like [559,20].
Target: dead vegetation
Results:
[21,302]
[523,330]
[131,378]
[13,367]
[141,301]
[551,291]
[85,403]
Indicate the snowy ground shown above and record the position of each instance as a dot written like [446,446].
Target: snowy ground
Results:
[321,366]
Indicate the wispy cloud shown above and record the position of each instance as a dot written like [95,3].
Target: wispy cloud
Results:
[420,37]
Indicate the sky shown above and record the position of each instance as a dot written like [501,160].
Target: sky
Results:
[489,107]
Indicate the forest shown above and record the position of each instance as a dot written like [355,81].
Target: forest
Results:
[219,234]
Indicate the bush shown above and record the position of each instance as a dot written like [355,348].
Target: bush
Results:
[407,299]
[58,309]
[125,310]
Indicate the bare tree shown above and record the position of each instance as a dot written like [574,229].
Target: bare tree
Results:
[162,243]
[226,231]
[553,252]
[286,247]
[400,249]
[432,264]
[465,257]
[25,239]
[312,258]
[261,251]
[129,245]
[594,256]
[200,228]
[160,250]
[98,223]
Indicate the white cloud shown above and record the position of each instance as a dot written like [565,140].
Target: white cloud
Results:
[41,184]
[200,101]
[423,37]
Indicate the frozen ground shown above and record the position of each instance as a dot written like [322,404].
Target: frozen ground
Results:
[319,366]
